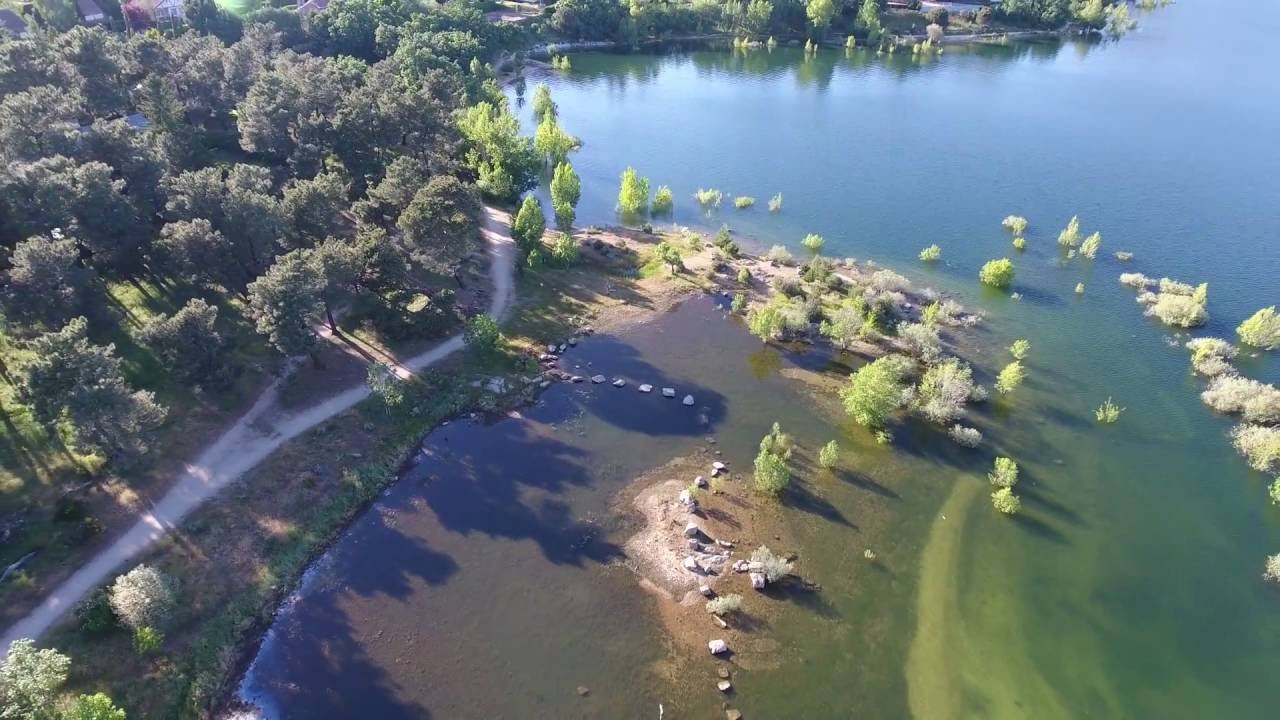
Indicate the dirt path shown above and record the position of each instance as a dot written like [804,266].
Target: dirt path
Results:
[246,443]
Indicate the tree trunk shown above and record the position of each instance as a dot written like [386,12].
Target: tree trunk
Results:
[333,324]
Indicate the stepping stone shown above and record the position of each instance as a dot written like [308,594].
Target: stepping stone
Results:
[688,400]
[668,392]
[619,382]
[646,388]
[724,686]
[597,379]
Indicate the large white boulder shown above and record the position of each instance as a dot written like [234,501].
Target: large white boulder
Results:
[718,646]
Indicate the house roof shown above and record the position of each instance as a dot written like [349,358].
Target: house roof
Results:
[89,10]
[312,6]
[10,21]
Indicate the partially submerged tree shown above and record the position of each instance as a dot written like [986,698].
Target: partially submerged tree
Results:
[1261,330]
[997,273]
[633,192]
[1010,377]
[1005,501]
[1005,473]
[875,390]
[829,456]
[943,391]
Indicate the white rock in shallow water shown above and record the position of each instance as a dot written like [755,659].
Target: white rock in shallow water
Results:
[619,382]
[688,400]
[597,379]
[646,388]
[718,646]
[668,392]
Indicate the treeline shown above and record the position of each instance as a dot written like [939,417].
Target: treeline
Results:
[278,170]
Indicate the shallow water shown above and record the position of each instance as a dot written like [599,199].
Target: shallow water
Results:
[1130,585]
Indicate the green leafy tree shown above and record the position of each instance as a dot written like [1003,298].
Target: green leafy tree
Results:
[663,200]
[1004,474]
[542,103]
[69,379]
[997,273]
[286,303]
[1010,377]
[819,13]
[875,390]
[564,251]
[868,20]
[30,679]
[506,163]
[846,323]
[95,707]
[551,142]
[566,190]
[589,19]
[1262,329]
[47,284]
[670,256]
[441,224]
[1005,501]
[813,242]
[633,193]
[772,476]
[311,208]
[1070,236]
[188,342]
[530,224]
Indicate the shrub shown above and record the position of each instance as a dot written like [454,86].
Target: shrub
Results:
[772,476]
[709,198]
[997,273]
[921,340]
[1089,248]
[1005,501]
[788,286]
[1174,287]
[147,640]
[1262,329]
[1257,402]
[564,251]
[875,390]
[1070,235]
[943,391]
[1178,310]
[669,255]
[775,203]
[481,334]
[1108,412]
[1005,473]
[739,303]
[94,613]
[829,455]
[1271,570]
[1259,444]
[931,253]
[1019,243]
[724,605]
[1020,348]
[813,242]
[742,202]
[888,281]
[663,200]
[1137,281]
[965,436]
[94,707]
[1010,377]
[1274,492]
[780,255]
[142,597]
[744,276]
[777,442]
[775,567]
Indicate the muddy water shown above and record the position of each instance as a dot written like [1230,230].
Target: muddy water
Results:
[490,581]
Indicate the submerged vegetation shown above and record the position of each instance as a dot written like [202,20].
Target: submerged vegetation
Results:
[997,273]
[1015,224]
[1261,330]
[931,253]
[772,475]
[1108,412]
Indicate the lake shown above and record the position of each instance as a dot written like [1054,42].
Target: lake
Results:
[1129,587]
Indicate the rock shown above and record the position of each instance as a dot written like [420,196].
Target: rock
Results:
[700,481]
[576,378]
[693,544]
[668,392]
[718,646]
[724,543]
[705,590]
[646,388]
[719,621]
[551,348]
[691,530]
[724,686]
[544,384]
[597,379]
[688,400]
[722,672]
[717,465]
[740,566]
[583,690]
[757,581]
[732,714]
[691,564]
[619,382]
[755,566]
[573,341]
[563,348]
